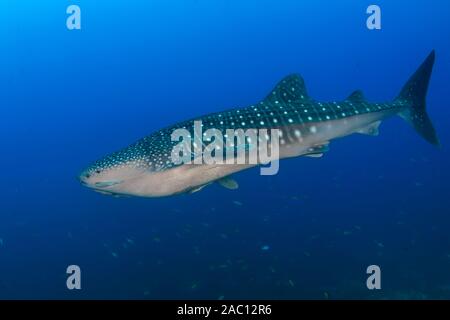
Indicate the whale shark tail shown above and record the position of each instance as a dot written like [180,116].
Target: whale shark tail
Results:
[413,95]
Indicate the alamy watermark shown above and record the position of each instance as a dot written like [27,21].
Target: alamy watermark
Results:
[374,280]
[374,20]
[74,279]
[73,22]
[233,147]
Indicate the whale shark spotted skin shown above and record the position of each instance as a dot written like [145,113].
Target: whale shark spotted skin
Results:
[306,126]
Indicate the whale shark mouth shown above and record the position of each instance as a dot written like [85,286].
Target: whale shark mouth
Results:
[105,184]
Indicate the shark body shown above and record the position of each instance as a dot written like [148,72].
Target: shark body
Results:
[145,168]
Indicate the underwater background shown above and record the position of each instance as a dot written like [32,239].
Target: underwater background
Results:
[69,97]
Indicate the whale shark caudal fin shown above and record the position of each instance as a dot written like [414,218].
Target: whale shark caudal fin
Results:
[414,95]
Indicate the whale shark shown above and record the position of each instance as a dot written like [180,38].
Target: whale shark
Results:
[306,128]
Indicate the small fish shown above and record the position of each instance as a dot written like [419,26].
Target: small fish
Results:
[379,244]
[265,248]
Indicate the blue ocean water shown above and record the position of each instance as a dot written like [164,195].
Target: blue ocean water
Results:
[69,97]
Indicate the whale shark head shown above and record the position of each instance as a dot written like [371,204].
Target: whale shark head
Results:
[142,169]
[113,173]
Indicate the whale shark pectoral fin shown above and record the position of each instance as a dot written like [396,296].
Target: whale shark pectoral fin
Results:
[317,151]
[197,189]
[314,155]
[371,129]
[228,183]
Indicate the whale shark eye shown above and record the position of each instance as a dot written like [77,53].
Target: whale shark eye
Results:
[97,171]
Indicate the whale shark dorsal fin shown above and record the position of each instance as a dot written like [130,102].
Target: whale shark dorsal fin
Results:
[228,183]
[357,96]
[290,89]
